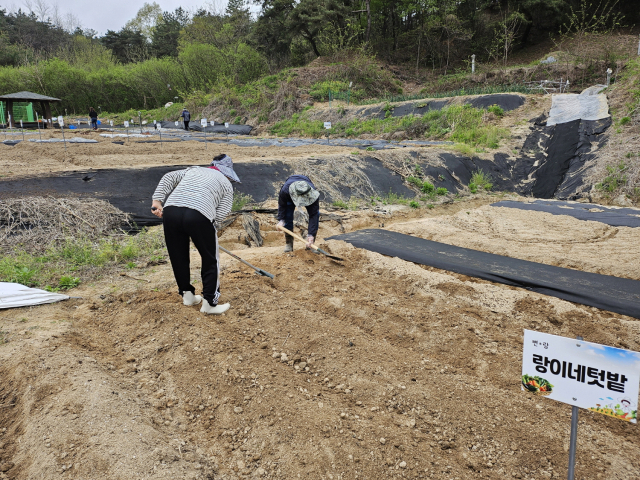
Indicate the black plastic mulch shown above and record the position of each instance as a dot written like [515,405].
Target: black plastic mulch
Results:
[614,294]
[616,217]
[130,190]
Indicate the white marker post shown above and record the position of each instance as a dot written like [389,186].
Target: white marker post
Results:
[609,72]
[126,125]
[140,117]
[203,124]
[61,123]
[226,126]
[327,126]
[159,127]
[22,129]
[473,63]
[38,123]
[587,375]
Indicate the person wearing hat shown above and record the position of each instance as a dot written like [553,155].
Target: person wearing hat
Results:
[191,202]
[298,191]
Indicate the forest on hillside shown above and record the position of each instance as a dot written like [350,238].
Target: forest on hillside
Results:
[160,56]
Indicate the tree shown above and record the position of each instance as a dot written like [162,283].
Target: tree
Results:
[127,45]
[164,38]
[310,17]
[146,19]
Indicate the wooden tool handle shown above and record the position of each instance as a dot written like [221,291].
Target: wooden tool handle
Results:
[296,236]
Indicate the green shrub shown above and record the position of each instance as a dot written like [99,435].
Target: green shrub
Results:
[496,110]
[442,191]
[428,188]
[414,204]
[370,149]
[480,180]
[430,206]
[625,120]
[340,204]
[415,181]
[473,188]
[240,200]
[320,90]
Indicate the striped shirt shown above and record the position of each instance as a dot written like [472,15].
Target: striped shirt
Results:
[203,189]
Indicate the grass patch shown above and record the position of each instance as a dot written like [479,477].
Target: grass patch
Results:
[66,265]
[352,204]
[496,110]
[441,191]
[240,200]
[414,204]
[394,199]
[480,180]
[459,123]
[616,178]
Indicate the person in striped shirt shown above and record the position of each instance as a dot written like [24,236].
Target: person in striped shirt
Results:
[191,202]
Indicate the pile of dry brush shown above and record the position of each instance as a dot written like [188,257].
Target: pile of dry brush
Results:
[37,223]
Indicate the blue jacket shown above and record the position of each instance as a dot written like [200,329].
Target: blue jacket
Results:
[285,204]
[186,115]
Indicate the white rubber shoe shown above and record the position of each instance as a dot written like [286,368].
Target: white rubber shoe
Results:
[217,310]
[189,299]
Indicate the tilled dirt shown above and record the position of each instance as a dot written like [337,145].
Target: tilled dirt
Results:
[559,240]
[389,369]
[29,158]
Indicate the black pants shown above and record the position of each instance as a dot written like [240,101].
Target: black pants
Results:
[180,225]
[186,125]
[288,220]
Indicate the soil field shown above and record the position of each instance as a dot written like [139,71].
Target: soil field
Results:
[367,369]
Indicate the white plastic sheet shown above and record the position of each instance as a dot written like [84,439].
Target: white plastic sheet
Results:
[567,107]
[14,295]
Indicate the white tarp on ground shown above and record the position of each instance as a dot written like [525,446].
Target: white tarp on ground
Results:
[588,105]
[15,295]
[60,140]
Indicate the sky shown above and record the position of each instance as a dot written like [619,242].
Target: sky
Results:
[113,14]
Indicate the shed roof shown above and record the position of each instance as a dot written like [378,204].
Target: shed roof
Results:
[29,96]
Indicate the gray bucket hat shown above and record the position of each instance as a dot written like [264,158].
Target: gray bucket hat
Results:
[223,163]
[302,194]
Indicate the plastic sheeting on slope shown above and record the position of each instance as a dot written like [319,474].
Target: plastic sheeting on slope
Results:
[14,295]
[614,294]
[616,217]
[567,107]
[131,189]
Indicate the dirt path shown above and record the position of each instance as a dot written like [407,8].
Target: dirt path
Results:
[28,158]
[391,370]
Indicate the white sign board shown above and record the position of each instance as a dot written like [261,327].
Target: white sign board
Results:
[327,125]
[159,126]
[20,123]
[155,122]
[212,123]
[177,123]
[226,124]
[126,124]
[60,121]
[111,122]
[203,122]
[587,375]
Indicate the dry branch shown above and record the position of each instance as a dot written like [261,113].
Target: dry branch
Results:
[36,223]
